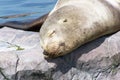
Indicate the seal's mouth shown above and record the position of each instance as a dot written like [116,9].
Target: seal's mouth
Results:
[49,55]
[54,51]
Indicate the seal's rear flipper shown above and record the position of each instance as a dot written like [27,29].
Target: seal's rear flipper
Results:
[16,25]
[33,25]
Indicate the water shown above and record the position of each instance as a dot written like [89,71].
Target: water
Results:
[11,7]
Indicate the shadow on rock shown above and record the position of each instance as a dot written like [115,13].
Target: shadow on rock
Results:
[31,75]
[65,63]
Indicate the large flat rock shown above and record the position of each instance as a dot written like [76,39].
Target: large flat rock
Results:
[21,58]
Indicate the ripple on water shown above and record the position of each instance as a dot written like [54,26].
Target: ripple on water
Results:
[11,7]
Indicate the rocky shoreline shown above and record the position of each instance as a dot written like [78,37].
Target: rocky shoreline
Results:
[21,58]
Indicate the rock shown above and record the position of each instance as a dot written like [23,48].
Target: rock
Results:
[21,58]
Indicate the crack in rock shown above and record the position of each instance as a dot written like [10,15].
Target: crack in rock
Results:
[17,62]
[3,75]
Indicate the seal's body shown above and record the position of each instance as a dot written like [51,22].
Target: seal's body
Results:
[74,22]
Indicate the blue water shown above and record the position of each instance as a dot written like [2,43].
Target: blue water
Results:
[11,7]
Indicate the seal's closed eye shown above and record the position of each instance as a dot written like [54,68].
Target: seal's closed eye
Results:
[52,33]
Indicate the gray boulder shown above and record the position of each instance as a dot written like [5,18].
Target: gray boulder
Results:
[21,58]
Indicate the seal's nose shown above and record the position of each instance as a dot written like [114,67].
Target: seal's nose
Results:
[45,53]
[53,49]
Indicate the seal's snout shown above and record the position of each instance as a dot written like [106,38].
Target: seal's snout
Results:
[54,50]
[52,47]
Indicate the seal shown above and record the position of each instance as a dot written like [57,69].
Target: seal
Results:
[33,25]
[73,23]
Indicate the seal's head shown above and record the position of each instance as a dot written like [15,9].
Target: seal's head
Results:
[59,33]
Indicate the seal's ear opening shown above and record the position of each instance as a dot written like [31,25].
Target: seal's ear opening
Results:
[65,20]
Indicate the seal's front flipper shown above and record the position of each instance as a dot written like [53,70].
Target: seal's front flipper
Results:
[33,25]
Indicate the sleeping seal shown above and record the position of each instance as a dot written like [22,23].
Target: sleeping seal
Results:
[73,23]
